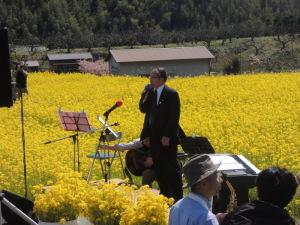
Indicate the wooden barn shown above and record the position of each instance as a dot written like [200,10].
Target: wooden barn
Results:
[183,61]
[32,65]
[61,63]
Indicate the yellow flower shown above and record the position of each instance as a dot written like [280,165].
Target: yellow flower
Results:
[253,115]
[62,221]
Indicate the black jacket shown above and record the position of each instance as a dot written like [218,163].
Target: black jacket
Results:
[21,79]
[165,115]
[258,213]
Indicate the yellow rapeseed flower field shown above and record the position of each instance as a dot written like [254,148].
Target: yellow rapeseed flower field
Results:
[100,203]
[256,115]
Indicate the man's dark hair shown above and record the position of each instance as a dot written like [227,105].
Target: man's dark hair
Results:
[276,185]
[161,72]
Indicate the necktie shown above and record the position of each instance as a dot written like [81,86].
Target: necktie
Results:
[153,108]
[155,97]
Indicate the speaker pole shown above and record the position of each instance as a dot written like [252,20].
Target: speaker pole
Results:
[23,144]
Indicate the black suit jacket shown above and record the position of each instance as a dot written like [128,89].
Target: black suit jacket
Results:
[165,115]
[145,107]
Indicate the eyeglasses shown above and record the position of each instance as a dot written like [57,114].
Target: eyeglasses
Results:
[155,77]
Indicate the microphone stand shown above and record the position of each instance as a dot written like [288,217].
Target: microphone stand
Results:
[23,145]
[102,139]
[15,210]
[75,146]
[75,140]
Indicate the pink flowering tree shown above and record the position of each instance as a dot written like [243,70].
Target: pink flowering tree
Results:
[99,67]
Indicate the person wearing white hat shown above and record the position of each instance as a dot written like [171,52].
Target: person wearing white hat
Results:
[204,181]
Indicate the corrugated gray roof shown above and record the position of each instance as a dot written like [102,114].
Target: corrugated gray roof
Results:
[75,56]
[32,63]
[161,54]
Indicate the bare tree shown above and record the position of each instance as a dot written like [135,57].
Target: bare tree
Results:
[284,39]
[259,47]
[238,47]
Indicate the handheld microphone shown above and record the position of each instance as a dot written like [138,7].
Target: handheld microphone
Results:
[145,92]
[116,105]
[148,87]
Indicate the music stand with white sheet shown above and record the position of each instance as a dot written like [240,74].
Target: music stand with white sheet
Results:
[106,126]
[107,156]
[239,171]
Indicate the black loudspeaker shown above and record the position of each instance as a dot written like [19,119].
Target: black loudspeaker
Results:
[196,145]
[25,205]
[5,76]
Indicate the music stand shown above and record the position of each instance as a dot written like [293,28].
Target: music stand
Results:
[107,135]
[74,121]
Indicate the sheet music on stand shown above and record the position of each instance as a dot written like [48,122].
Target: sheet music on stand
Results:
[74,121]
[106,126]
[227,162]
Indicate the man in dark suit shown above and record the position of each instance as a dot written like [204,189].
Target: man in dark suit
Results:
[161,106]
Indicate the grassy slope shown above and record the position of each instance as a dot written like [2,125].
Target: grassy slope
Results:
[281,60]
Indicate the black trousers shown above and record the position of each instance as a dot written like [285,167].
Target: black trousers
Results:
[167,170]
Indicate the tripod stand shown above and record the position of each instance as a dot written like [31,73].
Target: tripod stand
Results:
[107,156]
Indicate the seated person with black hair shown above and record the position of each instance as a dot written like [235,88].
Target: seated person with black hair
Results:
[276,187]
[138,161]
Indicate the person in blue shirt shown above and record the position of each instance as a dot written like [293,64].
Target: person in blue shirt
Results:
[204,181]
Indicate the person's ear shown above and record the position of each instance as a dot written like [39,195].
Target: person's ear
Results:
[203,183]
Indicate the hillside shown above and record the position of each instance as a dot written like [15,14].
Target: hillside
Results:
[96,23]
[255,55]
